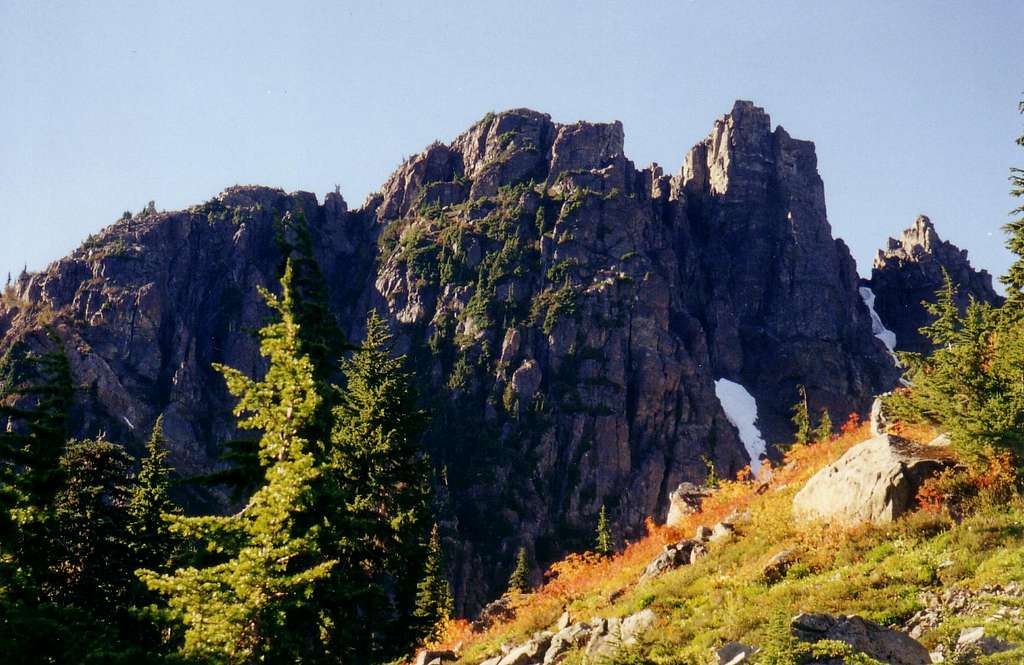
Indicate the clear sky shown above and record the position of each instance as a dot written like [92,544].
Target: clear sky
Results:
[107,105]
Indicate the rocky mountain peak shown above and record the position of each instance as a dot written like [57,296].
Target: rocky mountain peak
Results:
[910,270]
[569,318]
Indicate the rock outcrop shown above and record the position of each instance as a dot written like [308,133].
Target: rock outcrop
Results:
[882,644]
[910,270]
[874,481]
[566,312]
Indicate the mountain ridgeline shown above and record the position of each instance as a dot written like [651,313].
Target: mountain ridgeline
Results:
[567,315]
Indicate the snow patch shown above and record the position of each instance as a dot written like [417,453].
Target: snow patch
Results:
[887,336]
[741,410]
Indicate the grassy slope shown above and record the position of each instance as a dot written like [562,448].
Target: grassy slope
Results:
[875,571]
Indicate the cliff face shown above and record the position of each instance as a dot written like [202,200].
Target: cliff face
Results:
[567,313]
[910,270]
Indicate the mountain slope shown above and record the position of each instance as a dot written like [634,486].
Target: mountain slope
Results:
[568,315]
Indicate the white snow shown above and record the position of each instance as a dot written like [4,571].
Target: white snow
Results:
[741,410]
[887,336]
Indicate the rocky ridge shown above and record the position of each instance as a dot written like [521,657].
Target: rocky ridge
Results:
[910,270]
[567,312]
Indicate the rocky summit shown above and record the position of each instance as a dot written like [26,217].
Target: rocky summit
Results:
[569,312]
[910,270]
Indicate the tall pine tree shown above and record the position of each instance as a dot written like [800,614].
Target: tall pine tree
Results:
[1014,277]
[433,594]
[251,603]
[378,529]
[801,418]
[152,543]
[604,544]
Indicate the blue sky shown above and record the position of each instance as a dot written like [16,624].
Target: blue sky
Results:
[107,105]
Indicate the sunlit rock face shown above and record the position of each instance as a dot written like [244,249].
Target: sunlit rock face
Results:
[566,313]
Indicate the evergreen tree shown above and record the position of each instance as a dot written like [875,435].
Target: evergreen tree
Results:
[378,527]
[93,558]
[519,582]
[151,540]
[35,397]
[251,602]
[1014,277]
[801,418]
[824,432]
[434,595]
[604,544]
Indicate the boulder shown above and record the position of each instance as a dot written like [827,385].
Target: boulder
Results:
[874,481]
[879,421]
[568,638]
[884,644]
[974,641]
[672,556]
[721,531]
[778,566]
[684,500]
[531,651]
[735,653]
[429,656]
[702,533]
[609,635]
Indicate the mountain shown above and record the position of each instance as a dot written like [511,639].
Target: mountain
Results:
[573,319]
[910,270]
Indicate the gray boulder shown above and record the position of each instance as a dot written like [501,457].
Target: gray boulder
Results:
[672,557]
[531,651]
[874,481]
[735,653]
[884,644]
[608,636]
[684,500]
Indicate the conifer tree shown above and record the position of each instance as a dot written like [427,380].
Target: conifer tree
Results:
[519,582]
[801,418]
[151,540]
[434,595]
[604,544]
[251,602]
[35,397]
[824,432]
[1014,277]
[379,477]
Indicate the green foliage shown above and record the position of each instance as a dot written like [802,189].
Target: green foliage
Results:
[551,305]
[711,479]
[248,603]
[151,541]
[823,433]
[604,543]
[519,581]
[971,384]
[801,418]
[378,514]
[1014,277]
[433,593]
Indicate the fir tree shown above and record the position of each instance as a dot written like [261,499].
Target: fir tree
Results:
[519,581]
[1014,277]
[604,544]
[251,602]
[151,540]
[35,397]
[801,418]
[434,595]
[378,529]
[824,432]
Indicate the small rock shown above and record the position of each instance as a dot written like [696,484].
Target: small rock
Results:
[566,639]
[735,653]
[702,534]
[531,651]
[975,640]
[778,566]
[684,500]
[721,531]
[426,657]
[672,557]
[564,621]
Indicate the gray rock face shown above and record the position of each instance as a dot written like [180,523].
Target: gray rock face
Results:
[884,644]
[910,270]
[874,481]
[567,315]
